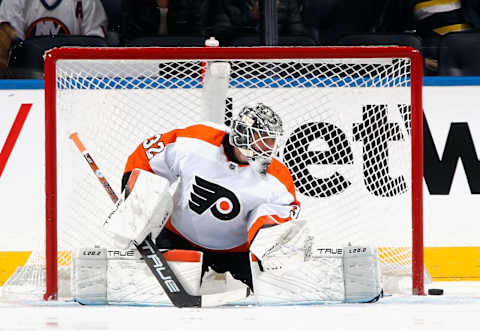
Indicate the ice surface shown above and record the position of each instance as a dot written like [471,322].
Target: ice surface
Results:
[457,310]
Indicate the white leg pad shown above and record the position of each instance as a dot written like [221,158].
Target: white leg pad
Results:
[361,273]
[89,278]
[347,274]
[103,276]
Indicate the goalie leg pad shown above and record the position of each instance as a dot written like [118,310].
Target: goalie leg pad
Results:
[144,208]
[106,276]
[337,275]
[361,273]
[89,278]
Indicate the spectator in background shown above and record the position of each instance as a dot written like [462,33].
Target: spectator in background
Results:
[329,20]
[23,19]
[430,20]
[186,16]
[169,17]
[232,19]
[290,21]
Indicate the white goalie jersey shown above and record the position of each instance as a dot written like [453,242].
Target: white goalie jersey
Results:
[31,18]
[218,204]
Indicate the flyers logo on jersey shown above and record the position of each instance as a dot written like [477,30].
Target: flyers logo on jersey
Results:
[223,203]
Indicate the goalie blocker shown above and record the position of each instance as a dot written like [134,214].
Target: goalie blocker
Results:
[143,209]
[291,268]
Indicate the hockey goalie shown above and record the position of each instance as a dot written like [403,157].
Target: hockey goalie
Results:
[234,207]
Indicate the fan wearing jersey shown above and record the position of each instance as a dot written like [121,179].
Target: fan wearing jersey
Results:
[230,185]
[23,19]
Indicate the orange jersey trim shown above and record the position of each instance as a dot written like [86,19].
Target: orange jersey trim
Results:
[133,179]
[138,159]
[279,219]
[281,172]
[183,255]
[199,131]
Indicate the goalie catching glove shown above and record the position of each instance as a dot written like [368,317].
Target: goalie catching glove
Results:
[143,209]
[283,245]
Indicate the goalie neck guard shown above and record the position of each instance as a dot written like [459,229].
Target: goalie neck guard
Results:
[256,132]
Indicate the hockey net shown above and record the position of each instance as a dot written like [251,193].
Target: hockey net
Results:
[353,140]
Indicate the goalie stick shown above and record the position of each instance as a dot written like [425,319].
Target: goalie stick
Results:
[156,261]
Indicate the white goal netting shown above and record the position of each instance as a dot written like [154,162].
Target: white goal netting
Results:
[347,140]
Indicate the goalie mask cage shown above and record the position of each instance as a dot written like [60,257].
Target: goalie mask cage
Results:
[353,137]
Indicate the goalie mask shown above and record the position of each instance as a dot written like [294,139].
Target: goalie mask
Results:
[256,132]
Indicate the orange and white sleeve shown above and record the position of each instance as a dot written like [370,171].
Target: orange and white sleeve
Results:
[160,155]
[282,208]
[156,154]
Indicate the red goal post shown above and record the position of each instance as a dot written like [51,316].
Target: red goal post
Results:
[290,70]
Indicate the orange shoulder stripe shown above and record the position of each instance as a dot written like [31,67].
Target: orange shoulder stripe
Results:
[281,172]
[198,131]
[139,159]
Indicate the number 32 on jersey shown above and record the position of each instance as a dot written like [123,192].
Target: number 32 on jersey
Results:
[153,146]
